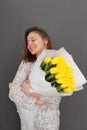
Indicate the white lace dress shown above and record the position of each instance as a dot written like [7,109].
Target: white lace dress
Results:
[34,117]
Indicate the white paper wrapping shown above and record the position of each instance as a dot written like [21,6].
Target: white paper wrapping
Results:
[37,76]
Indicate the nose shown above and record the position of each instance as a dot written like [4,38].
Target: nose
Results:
[29,44]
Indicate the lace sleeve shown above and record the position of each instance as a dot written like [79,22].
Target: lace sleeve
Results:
[15,92]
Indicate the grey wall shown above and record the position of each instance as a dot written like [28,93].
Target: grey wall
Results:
[66,23]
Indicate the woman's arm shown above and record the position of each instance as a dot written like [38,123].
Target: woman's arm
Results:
[26,86]
[16,94]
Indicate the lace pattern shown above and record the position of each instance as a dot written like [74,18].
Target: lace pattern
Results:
[48,115]
[15,93]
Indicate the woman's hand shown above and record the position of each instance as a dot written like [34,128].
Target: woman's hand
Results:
[39,102]
[26,88]
[35,95]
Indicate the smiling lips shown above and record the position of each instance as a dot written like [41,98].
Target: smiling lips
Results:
[32,48]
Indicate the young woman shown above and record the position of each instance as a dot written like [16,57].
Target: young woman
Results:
[36,111]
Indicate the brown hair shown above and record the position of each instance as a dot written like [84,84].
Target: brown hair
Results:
[27,56]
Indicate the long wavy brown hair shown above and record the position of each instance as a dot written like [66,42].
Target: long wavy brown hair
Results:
[27,56]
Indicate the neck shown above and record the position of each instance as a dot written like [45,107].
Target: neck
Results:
[40,52]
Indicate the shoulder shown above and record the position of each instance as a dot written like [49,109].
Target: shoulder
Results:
[26,65]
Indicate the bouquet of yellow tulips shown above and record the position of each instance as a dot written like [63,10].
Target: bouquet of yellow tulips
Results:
[56,73]
[59,73]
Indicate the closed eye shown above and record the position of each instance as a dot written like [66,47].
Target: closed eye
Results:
[33,40]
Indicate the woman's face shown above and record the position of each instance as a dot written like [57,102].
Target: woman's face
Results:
[36,44]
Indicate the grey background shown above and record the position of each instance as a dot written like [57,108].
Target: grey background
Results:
[66,23]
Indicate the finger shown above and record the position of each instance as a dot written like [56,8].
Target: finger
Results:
[37,93]
[42,102]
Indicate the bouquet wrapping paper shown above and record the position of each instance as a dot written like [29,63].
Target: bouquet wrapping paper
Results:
[40,85]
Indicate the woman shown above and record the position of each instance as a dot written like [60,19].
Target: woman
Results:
[36,112]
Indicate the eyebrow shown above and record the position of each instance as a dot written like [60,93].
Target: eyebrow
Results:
[31,38]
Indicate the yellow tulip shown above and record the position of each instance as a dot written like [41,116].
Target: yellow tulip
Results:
[56,60]
[54,70]
[47,60]
[67,90]
[64,84]
[59,75]
[60,81]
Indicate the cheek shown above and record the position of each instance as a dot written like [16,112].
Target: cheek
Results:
[28,47]
[40,45]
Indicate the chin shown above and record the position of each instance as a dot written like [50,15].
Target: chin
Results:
[33,53]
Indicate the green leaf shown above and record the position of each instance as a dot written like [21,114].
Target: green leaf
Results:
[53,82]
[43,66]
[46,67]
[48,72]
[58,88]
[49,77]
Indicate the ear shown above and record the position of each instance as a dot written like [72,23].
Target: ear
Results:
[45,41]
